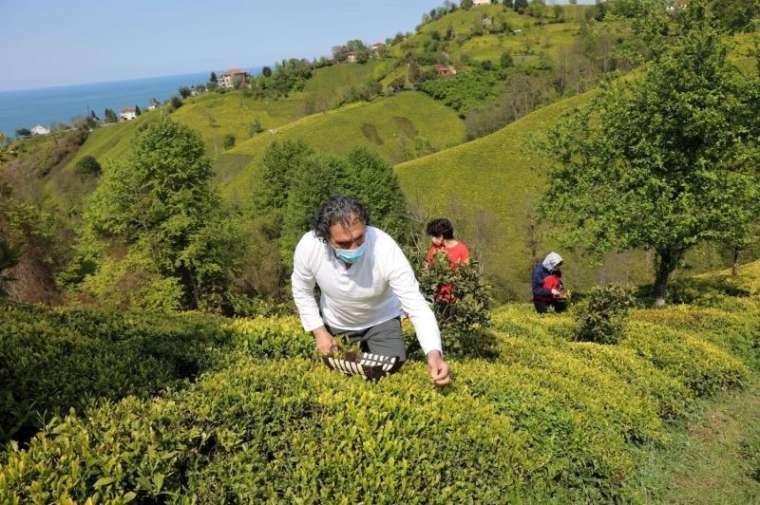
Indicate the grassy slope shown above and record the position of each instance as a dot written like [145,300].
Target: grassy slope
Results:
[328,85]
[389,126]
[706,461]
[488,186]
[495,181]
[214,116]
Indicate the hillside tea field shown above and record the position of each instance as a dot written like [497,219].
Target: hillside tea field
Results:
[200,409]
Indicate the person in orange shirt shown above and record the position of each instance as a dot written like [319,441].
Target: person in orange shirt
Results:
[442,240]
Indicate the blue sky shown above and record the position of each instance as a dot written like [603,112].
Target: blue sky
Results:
[52,43]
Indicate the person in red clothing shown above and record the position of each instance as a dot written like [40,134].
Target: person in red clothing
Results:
[547,285]
[442,241]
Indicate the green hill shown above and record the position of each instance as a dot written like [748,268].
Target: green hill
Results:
[398,128]
[328,85]
[216,115]
[488,188]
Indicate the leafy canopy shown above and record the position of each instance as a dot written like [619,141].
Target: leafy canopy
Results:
[662,162]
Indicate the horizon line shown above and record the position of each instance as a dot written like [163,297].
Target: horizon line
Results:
[56,86]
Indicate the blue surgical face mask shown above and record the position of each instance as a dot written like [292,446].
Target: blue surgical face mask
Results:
[351,255]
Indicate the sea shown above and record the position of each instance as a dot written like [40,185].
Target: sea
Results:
[50,106]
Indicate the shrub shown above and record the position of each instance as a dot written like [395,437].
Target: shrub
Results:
[255,127]
[464,91]
[52,360]
[701,366]
[553,421]
[88,165]
[271,337]
[601,316]
[229,141]
[464,315]
[291,431]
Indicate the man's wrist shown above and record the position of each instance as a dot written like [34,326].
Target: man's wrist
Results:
[435,353]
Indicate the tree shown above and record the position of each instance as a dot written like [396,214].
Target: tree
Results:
[137,110]
[88,165]
[282,163]
[320,178]
[521,5]
[184,91]
[176,102]
[373,182]
[213,78]
[159,203]
[466,4]
[110,116]
[735,15]
[266,72]
[23,132]
[506,61]
[664,162]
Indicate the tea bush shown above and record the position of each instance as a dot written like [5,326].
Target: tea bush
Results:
[291,431]
[282,337]
[551,420]
[51,360]
[464,312]
[601,315]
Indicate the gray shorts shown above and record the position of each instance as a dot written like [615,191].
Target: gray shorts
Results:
[384,338]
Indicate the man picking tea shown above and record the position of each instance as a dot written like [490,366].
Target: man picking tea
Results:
[365,282]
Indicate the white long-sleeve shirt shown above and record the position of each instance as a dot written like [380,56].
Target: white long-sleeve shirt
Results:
[373,290]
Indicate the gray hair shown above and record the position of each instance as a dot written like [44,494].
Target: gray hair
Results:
[337,210]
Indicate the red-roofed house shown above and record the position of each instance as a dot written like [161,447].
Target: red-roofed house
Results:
[127,114]
[445,70]
[231,77]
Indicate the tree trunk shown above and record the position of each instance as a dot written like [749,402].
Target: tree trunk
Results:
[735,264]
[666,261]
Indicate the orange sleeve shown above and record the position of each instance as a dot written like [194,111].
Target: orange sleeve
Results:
[459,254]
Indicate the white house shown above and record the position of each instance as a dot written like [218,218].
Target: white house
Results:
[481,2]
[127,114]
[231,77]
[40,130]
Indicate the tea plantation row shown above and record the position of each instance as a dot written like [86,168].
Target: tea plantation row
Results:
[549,421]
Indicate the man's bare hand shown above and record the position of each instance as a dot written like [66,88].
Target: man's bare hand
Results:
[439,370]
[556,293]
[325,342]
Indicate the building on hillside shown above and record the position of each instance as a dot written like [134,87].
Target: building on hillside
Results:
[377,50]
[40,130]
[127,114]
[351,57]
[230,78]
[481,2]
[445,70]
